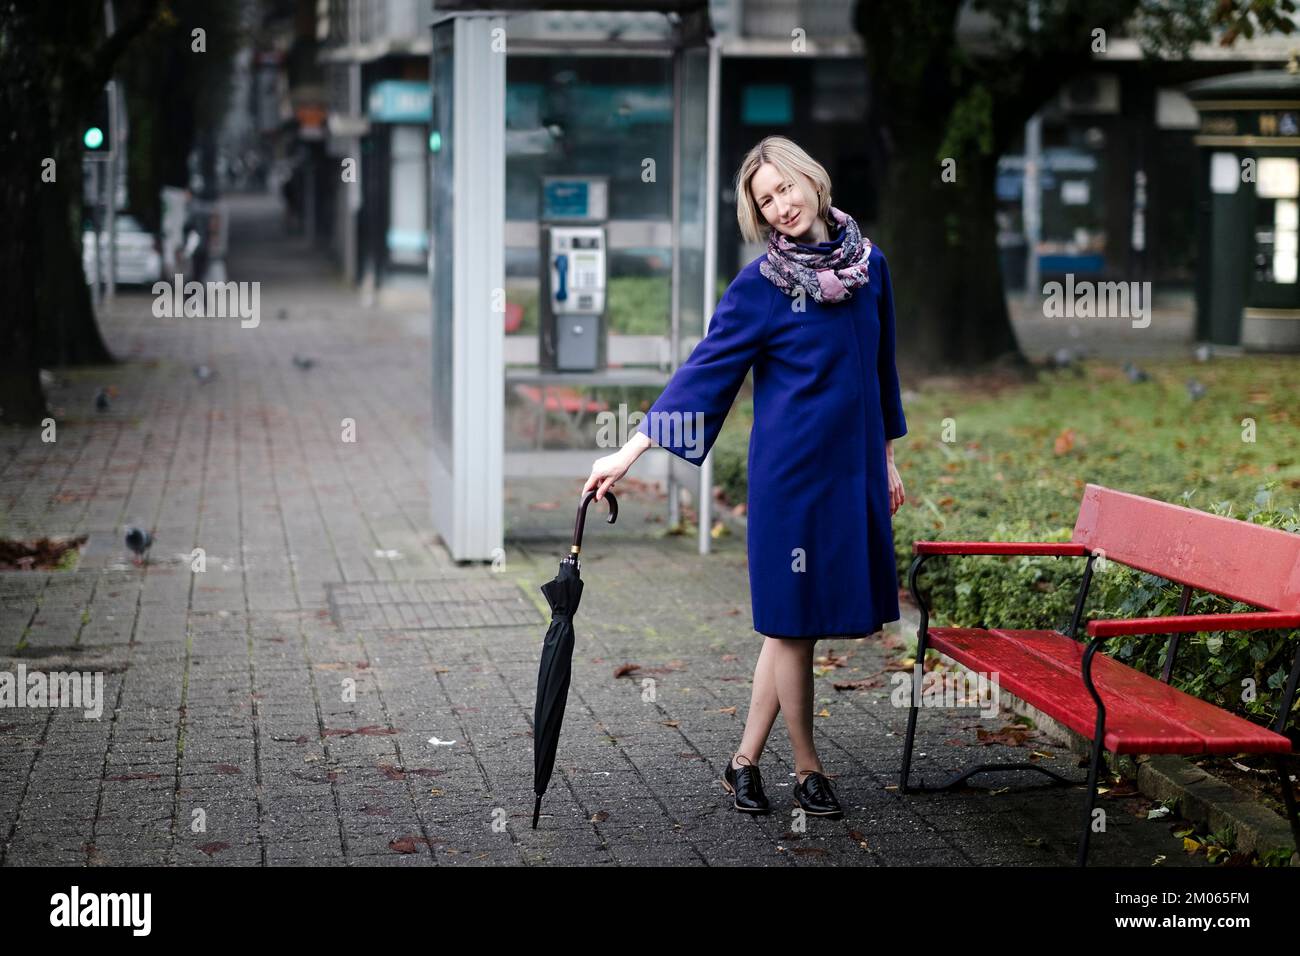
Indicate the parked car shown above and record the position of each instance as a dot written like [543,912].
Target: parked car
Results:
[139,256]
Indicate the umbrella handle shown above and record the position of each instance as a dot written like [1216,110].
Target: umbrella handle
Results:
[582,516]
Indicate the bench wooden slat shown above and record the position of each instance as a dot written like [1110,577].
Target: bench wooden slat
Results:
[1045,684]
[1247,562]
[1143,715]
[1219,731]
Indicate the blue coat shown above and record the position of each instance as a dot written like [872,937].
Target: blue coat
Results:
[826,397]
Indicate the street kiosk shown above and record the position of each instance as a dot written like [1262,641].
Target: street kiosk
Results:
[1247,292]
[576,242]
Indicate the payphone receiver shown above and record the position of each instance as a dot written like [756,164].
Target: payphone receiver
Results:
[562,270]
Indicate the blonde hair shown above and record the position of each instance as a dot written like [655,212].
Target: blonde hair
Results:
[788,158]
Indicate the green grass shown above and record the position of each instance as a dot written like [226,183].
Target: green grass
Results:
[972,457]
[1027,452]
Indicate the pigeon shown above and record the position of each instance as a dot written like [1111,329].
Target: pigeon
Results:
[1134,373]
[203,374]
[1064,358]
[1061,358]
[303,362]
[1195,389]
[139,541]
[101,400]
[1202,353]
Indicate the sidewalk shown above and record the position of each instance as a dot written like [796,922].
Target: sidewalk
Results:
[231,733]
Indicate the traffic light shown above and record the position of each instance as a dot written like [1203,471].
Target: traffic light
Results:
[97,134]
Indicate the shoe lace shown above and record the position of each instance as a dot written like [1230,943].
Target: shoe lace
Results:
[817,785]
[755,781]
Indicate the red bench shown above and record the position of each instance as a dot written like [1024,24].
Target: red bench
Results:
[563,399]
[1115,706]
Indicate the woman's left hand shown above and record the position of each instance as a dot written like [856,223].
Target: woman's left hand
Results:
[896,496]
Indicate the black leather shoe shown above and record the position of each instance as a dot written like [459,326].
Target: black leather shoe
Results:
[746,784]
[817,798]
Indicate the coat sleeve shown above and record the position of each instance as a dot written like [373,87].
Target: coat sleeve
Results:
[688,415]
[891,401]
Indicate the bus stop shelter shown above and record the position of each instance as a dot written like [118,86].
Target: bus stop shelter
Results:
[475,363]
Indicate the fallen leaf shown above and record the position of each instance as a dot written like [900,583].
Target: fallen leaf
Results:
[1010,735]
[409,844]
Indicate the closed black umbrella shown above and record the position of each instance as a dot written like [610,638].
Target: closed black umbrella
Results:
[563,595]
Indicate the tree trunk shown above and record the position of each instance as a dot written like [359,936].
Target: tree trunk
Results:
[54,61]
[933,102]
[940,239]
[69,331]
[21,398]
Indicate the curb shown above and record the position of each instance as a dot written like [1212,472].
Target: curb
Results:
[1202,798]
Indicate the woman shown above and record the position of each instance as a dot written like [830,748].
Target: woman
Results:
[814,317]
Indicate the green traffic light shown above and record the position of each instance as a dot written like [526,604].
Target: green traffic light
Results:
[94,138]
[435,141]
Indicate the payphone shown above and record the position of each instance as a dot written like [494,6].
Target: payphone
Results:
[571,307]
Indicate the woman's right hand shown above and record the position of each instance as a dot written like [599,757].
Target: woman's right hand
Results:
[605,471]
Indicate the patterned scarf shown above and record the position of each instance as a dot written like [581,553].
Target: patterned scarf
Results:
[829,276]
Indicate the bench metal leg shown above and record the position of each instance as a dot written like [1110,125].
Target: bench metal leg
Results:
[1098,744]
[907,748]
[922,636]
[922,639]
[1094,769]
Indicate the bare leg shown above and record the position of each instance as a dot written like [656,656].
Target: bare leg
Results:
[763,707]
[794,686]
